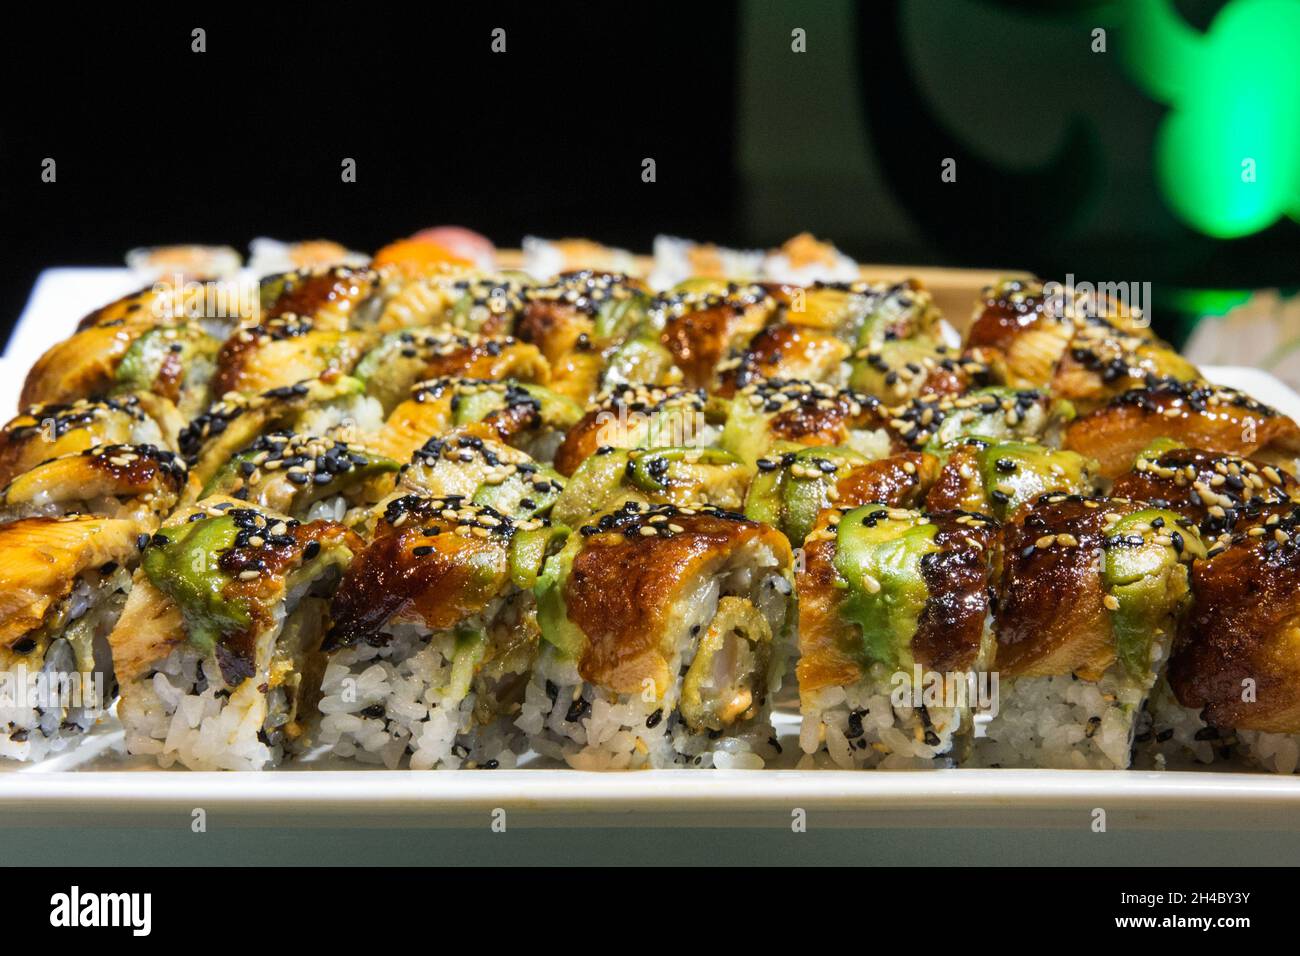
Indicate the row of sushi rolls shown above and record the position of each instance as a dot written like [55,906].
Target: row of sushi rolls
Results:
[449,506]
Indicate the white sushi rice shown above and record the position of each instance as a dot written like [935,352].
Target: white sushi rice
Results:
[870,724]
[383,702]
[593,728]
[354,418]
[29,729]
[1173,735]
[184,713]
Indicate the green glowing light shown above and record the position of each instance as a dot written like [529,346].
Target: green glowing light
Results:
[1228,154]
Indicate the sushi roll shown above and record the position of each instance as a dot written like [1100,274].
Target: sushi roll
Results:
[773,414]
[488,304]
[1102,361]
[402,359]
[997,477]
[302,476]
[702,321]
[785,351]
[282,351]
[140,483]
[1092,593]
[85,364]
[792,488]
[333,298]
[1234,681]
[665,635]
[1084,346]
[42,432]
[1210,488]
[895,636]
[652,476]
[218,649]
[931,423]
[480,471]
[529,417]
[1198,414]
[331,407]
[863,314]
[576,320]
[175,362]
[637,416]
[63,582]
[434,631]
[895,370]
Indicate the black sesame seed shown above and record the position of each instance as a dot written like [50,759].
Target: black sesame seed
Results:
[579,709]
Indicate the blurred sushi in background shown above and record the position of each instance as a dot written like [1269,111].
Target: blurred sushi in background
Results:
[272,256]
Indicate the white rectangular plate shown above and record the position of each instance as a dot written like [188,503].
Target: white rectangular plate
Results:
[97,784]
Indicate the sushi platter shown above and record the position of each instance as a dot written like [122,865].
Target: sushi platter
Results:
[710,536]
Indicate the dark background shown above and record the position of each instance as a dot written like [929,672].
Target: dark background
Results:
[156,144]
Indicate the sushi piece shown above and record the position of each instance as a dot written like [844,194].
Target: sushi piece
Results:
[335,298]
[487,304]
[576,320]
[864,314]
[804,259]
[273,257]
[433,636]
[635,416]
[1211,417]
[42,432]
[85,364]
[792,488]
[1234,680]
[895,636]
[218,649]
[402,359]
[772,414]
[1093,591]
[784,351]
[188,263]
[547,258]
[995,478]
[332,407]
[895,370]
[418,257]
[529,417]
[1210,488]
[139,483]
[1087,348]
[653,476]
[676,260]
[666,633]
[931,423]
[462,243]
[1102,361]
[282,351]
[175,362]
[63,582]
[303,476]
[702,321]
[478,470]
